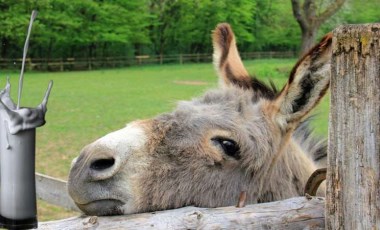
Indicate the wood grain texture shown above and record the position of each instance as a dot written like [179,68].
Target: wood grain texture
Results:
[294,213]
[54,191]
[353,175]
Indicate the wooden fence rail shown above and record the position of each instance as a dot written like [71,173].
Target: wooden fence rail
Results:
[66,64]
[294,213]
[54,191]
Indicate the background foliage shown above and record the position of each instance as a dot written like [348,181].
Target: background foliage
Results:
[97,28]
[106,100]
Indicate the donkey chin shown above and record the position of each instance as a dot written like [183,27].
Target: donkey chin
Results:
[104,207]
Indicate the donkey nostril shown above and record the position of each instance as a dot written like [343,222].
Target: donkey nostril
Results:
[102,164]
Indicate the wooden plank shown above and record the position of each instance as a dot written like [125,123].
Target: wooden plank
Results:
[294,213]
[353,175]
[54,191]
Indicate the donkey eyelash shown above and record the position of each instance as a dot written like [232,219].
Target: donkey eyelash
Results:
[229,147]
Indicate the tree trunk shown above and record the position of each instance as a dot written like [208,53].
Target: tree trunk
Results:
[310,17]
[353,176]
[4,46]
[92,50]
[308,39]
[50,49]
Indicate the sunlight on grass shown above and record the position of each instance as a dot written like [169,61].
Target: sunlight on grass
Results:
[87,105]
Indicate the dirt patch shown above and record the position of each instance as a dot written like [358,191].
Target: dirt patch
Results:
[284,70]
[191,83]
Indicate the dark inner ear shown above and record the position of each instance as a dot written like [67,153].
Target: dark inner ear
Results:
[225,40]
[306,84]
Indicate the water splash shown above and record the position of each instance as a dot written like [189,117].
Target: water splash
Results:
[18,125]
[26,46]
[18,119]
[22,118]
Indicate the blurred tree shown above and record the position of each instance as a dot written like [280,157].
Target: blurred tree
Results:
[359,11]
[184,26]
[13,21]
[98,28]
[274,27]
[103,23]
[67,28]
[54,28]
[165,13]
[355,12]
[311,15]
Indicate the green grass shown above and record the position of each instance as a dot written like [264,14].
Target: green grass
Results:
[87,105]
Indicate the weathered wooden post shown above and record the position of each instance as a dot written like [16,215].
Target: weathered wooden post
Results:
[353,175]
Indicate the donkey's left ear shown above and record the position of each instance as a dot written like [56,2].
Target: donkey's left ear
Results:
[226,58]
[307,84]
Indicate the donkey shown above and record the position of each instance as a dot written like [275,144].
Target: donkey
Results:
[244,136]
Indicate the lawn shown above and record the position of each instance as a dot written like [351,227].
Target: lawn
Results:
[87,105]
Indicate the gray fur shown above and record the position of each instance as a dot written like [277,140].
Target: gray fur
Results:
[179,172]
[174,160]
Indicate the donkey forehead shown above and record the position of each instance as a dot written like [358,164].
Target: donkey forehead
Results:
[233,99]
[223,109]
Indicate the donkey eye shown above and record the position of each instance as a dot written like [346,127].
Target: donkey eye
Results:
[230,147]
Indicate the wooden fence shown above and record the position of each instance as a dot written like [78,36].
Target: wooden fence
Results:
[67,64]
[353,176]
[353,173]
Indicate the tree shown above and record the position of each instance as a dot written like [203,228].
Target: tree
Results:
[98,28]
[274,27]
[107,23]
[184,26]
[311,15]
[13,24]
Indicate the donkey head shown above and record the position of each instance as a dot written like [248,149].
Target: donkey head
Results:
[240,137]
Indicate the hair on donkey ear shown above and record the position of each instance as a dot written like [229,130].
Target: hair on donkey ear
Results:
[230,68]
[226,58]
[307,84]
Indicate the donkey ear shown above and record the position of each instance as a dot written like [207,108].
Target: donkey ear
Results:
[307,84]
[226,58]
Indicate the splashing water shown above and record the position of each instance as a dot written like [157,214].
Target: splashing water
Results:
[26,46]
[17,153]
[22,118]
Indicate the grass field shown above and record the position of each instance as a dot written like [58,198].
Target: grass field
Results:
[87,105]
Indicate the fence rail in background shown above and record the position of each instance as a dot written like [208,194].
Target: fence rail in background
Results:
[54,191]
[67,64]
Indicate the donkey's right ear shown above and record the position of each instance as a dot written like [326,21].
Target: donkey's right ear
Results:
[307,84]
[226,58]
